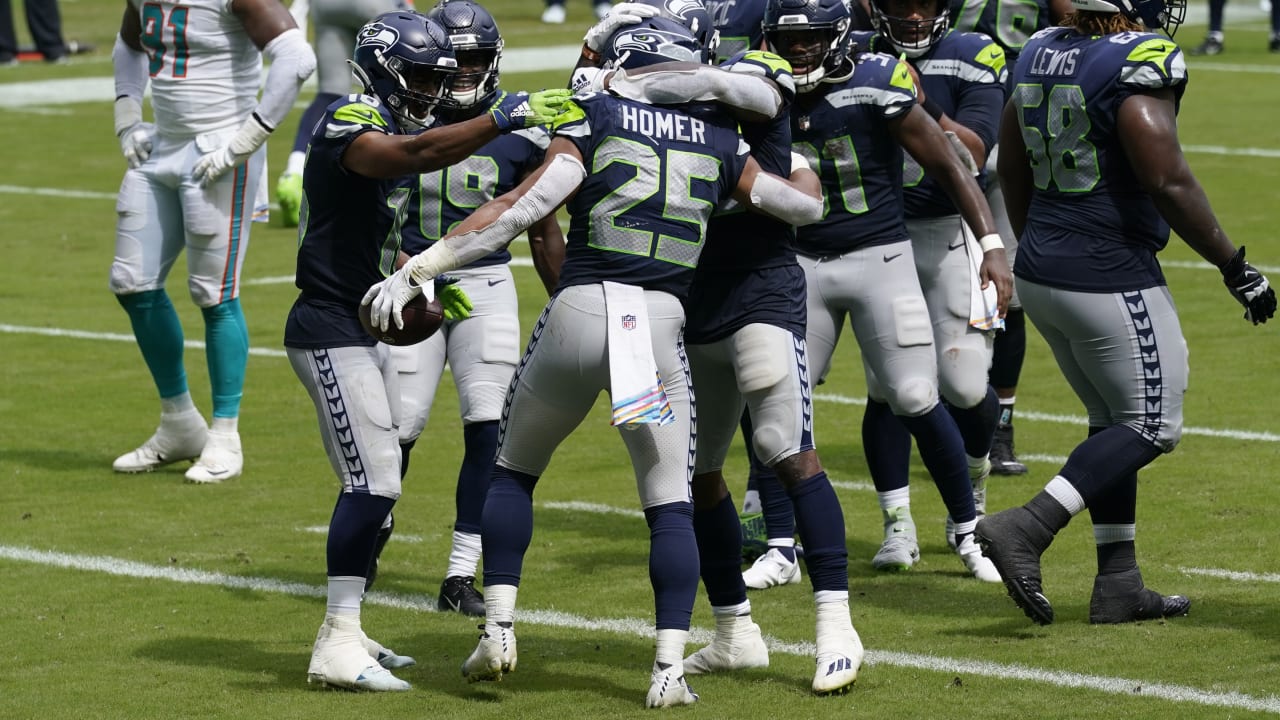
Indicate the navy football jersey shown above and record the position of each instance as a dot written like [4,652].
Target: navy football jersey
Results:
[964,73]
[655,174]
[1090,227]
[741,25]
[1009,22]
[347,231]
[439,200]
[844,132]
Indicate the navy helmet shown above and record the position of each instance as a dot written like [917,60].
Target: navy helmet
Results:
[695,15]
[652,40]
[405,60]
[1164,15]
[812,35]
[478,47]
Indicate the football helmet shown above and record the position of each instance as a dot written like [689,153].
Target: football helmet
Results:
[912,36]
[478,47]
[812,35]
[405,60]
[695,16]
[652,40]
[1164,15]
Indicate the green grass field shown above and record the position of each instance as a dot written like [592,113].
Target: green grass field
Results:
[144,597]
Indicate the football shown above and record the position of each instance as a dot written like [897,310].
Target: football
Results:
[421,320]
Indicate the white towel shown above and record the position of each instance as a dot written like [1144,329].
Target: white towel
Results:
[635,386]
[984,306]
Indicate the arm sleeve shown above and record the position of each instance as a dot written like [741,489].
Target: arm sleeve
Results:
[129,68]
[680,83]
[292,62]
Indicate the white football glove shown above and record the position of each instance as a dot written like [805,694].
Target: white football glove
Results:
[388,298]
[214,165]
[619,16]
[135,143]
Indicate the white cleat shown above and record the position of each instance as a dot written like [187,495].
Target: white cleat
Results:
[221,459]
[737,645]
[900,549]
[181,436]
[385,656]
[839,658]
[772,568]
[340,660]
[977,563]
[495,656]
[667,687]
[554,15]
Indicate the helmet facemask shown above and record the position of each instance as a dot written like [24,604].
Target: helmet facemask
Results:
[914,32]
[814,51]
[477,76]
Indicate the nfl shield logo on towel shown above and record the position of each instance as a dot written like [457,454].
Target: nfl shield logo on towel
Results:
[628,322]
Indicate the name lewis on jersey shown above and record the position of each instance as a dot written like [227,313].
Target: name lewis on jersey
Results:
[1054,62]
[660,124]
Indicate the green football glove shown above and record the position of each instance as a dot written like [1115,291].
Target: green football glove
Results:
[453,299]
[519,110]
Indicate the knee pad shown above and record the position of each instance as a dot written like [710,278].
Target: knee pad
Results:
[914,397]
[963,376]
[761,356]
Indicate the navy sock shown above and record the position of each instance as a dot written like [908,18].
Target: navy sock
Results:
[821,523]
[1106,459]
[353,533]
[719,537]
[481,442]
[405,450]
[779,517]
[1215,15]
[506,525]
[1009,350]
[312,115]
[942,450]
[886,443]
[673,564]
[977,424]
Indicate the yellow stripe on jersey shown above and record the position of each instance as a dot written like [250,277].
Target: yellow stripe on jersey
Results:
[902,78]
[359,114]
[992,56]
[569,112]
[1155,51]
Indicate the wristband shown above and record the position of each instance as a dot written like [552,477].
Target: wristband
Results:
[799,162]
[931,107]
[990,242]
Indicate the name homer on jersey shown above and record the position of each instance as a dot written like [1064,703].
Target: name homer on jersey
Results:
[1054,62]
[666,125]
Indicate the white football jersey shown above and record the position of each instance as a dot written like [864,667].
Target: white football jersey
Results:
[205,71]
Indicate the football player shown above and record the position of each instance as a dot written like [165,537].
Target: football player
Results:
[614,323]
[854,116]
[482,349]
[349,239]
[961,81]
[1009,23]
[1095,179]
[191,183]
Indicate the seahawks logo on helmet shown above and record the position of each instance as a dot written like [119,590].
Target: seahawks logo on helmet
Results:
[377,35]
[669,45]
[680,8]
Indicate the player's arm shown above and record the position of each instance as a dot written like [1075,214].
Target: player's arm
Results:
[272,29]
[1148,130]
[1014,170]
[129,69]
[750,96]
[925,140]
[961,125]
[546,243]
[796,200]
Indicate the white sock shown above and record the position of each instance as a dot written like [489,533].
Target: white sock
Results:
[1066,494]
[345,592]
[782,542]
[297,160]
[671,647]
[465,555]
[225,425]
[742,608]
[176,404]
[895,498]
[500,603]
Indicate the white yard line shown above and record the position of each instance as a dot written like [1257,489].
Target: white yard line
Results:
[1023,414]
[1237,575]
[641,627]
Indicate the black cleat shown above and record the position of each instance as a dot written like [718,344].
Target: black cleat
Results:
[1274,45]
[1210,46]
[1121,598]
[1003,459]
[459,594]
[1013,540]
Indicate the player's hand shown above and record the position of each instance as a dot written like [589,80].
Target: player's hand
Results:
[214,165]
[454,301]
[388,298]
[620,16]
[1250,288]
[915,78]
[135,143]
[519,110]
[995,269]
[765,64]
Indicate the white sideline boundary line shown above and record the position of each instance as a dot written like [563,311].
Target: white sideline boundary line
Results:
[638,627]
[825,397]
[1237,575]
